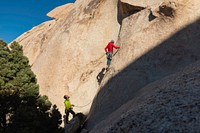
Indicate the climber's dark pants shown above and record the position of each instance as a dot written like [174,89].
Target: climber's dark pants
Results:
[109,58]
[67,114]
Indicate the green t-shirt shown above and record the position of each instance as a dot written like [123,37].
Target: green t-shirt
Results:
[67,104]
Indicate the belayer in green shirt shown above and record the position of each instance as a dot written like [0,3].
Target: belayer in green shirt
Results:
[68,108]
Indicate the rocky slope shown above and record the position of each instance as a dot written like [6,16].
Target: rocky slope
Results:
[155,43]
[158,40]
[168,105]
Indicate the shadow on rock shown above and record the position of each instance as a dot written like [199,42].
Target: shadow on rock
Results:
[75,124]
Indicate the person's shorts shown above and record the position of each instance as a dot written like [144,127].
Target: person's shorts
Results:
[109,55]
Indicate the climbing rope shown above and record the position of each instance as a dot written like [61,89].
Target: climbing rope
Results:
[116,52]
[83,105]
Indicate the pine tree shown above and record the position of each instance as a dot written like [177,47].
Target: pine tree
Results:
[22,109]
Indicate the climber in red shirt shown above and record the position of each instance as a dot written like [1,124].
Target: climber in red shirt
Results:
[109,51]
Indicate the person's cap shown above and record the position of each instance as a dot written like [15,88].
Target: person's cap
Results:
[112,41]
[66,96]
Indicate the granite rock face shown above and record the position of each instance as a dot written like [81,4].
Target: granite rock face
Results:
[60,11]
[168,105]
[67,53]
[155,43]
[151,85]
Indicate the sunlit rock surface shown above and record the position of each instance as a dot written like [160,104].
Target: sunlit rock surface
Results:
[151,85]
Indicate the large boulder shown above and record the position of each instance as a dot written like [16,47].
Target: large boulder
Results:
[60,11]
[152,47]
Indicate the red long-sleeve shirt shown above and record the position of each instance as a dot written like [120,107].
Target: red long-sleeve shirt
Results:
[110,46]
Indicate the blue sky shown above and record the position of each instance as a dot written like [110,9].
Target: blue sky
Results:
[19,16]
